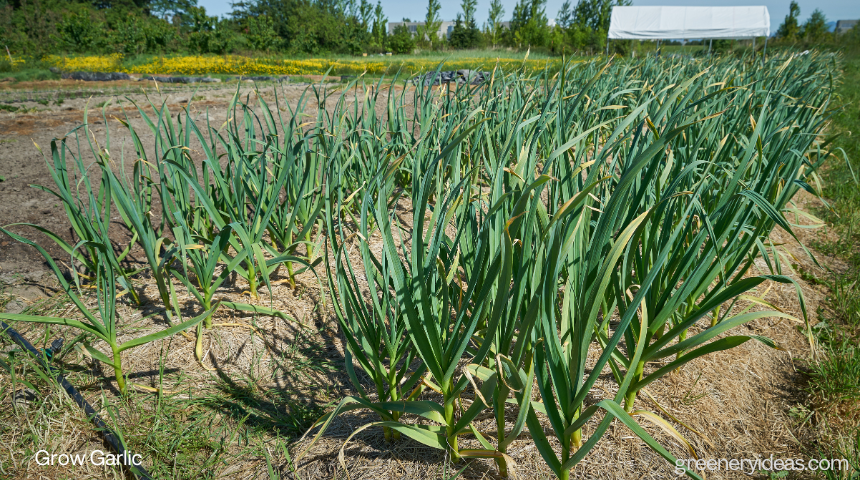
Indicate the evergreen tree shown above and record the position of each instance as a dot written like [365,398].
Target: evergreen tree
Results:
[471,34]
[790,27]
[458,34]
[465,33]
[815,28]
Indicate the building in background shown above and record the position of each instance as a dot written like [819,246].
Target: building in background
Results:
[843,26]
[445,28]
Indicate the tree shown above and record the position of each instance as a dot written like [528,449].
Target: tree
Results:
[468,7]
[465,33]
[790,28]
[124,5]
[379,23]
[171,8]
[261,34]
[313,26]
[365,13]
[815,28]
[528,23]
[577,36]
[198,21]
[206,34]
[432,22]
[556,40]
[495,20]
[565,15]
[459,37]
[77,32]
[595,13]
[282,12]
[401,40]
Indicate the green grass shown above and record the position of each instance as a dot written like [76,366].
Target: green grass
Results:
[31,74]
[842,189]
[834,385]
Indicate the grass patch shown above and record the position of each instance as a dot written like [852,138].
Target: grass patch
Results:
[842,189]
[834,384]
[32,75]
[837,378]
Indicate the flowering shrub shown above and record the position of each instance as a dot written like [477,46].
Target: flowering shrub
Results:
[239,65]
[9,66]
[93,63]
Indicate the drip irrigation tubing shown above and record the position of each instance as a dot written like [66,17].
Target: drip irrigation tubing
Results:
[108,434]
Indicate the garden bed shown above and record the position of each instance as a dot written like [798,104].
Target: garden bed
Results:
[263,380]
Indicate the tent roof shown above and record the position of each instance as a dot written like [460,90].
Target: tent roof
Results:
[656,23]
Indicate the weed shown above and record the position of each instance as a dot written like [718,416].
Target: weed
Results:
[835,380]
[807,276]
[691,398]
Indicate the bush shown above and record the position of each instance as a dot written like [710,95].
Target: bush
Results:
[78,33]
[401,42]
[218,41]
[261,33]
[465,35]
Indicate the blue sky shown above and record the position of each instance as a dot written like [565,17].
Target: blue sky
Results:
[395,10]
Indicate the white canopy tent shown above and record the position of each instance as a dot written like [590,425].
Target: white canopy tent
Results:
[664,23]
